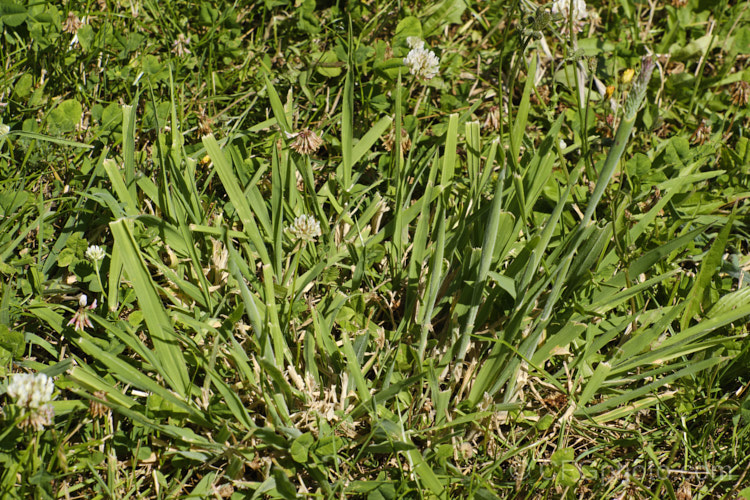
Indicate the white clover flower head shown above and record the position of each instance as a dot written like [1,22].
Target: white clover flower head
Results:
[563,7]
[31,390]
[95,253]
[83,300]
[4,130]
[305,228]
[39,419]
[422,63]
[414,42]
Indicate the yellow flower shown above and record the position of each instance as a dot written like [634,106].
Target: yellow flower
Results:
[627,75]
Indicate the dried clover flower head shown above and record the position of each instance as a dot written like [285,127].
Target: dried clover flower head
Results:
[97,409]
[390,140]
[305,141]
[702,133]
[305,228]
[95,253]
[422,63]
[72,23]
[31,390]
[740,94]
[39,418]
[492,118]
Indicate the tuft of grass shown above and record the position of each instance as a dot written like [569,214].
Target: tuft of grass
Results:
[529,278]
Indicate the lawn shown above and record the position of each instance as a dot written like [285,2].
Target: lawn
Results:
[365,249]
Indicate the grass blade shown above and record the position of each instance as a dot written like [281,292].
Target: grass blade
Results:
[165,340]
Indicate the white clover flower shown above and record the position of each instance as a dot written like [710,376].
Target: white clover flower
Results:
[414,42]
[422,63]
[31,391]
[4,130]
[95,253]
[39,419]
[80,319]
[563,7]
[305,228]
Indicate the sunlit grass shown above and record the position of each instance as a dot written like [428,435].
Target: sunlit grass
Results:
[272,251]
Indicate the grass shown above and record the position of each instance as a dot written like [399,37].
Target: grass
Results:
[529,280]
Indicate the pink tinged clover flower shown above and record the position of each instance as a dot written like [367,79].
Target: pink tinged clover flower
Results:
[80,319]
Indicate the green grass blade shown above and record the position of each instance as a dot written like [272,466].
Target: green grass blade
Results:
[232,186]
[347,128]
[166,343]
[120,187]
[488,251]
[449,153]
[276,106]
[709,265]
[368,140]
[129,374]
[128,149]
[522,114]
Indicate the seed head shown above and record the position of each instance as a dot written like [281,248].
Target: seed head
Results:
[492,120]
[702,133]
[537,23]
[638,90]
